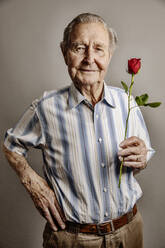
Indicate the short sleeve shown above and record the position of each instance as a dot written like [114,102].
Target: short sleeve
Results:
[140,129]
[27,132]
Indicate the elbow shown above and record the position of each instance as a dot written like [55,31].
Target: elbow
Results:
[6,151]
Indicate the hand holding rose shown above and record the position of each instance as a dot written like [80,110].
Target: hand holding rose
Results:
[134,153]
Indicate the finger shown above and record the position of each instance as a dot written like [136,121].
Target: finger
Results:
[132,141]
[55,214]
[59,209]
[121,158]
[50,220]
[135,158]
[129,151]
[41,211]
[135,165]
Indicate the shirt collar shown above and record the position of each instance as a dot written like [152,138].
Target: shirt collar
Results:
[108,97]
[75,97]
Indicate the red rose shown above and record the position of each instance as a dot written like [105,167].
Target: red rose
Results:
[134,65]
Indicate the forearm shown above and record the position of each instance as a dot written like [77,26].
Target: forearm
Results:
[26,174]
[41,194]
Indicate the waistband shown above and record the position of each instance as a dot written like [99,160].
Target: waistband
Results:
[102,228]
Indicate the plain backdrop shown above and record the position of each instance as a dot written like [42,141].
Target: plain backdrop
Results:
[31,62]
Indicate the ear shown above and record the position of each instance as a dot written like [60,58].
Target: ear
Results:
[63,50]
[110,55]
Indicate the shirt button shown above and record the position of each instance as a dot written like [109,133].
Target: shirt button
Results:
[100,139]
[102,165]
[106,214]
[97,116]
[105,189]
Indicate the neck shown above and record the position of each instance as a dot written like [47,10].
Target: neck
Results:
[93,93]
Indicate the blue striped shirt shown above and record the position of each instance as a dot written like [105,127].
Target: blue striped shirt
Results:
[79,144]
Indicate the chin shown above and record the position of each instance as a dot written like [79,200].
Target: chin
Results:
[88,81]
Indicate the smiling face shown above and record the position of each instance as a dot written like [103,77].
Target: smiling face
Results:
[88,55]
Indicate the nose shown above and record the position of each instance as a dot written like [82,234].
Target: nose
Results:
[89,56]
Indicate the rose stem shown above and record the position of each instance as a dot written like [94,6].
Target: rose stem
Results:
[125,136]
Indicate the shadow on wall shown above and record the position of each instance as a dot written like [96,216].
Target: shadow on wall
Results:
[162,1]
[4,1]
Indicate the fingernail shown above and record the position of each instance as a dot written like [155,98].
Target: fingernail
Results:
[120,158]
[63,226]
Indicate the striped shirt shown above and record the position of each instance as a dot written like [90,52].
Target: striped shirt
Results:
[79,144]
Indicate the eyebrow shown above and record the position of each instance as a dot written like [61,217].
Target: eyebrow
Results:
[100,44]
[77,43]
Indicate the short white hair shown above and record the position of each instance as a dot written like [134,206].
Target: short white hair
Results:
[88,18]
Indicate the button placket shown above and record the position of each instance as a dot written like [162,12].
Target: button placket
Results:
[99,126]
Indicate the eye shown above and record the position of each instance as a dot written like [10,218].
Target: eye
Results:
[80,49]
[99,50]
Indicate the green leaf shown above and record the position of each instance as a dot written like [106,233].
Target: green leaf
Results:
[144,98]
[139,101]
[125,87]
[153,104]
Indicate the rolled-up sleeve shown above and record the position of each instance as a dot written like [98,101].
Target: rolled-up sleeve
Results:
[27,132]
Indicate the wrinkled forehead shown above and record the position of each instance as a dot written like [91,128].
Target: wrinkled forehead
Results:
[96,32]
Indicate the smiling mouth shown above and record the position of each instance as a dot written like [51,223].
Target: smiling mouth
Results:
[87,70]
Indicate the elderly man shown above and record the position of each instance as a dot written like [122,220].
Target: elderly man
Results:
[80,131]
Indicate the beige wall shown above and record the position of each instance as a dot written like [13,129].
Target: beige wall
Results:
[31,61]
